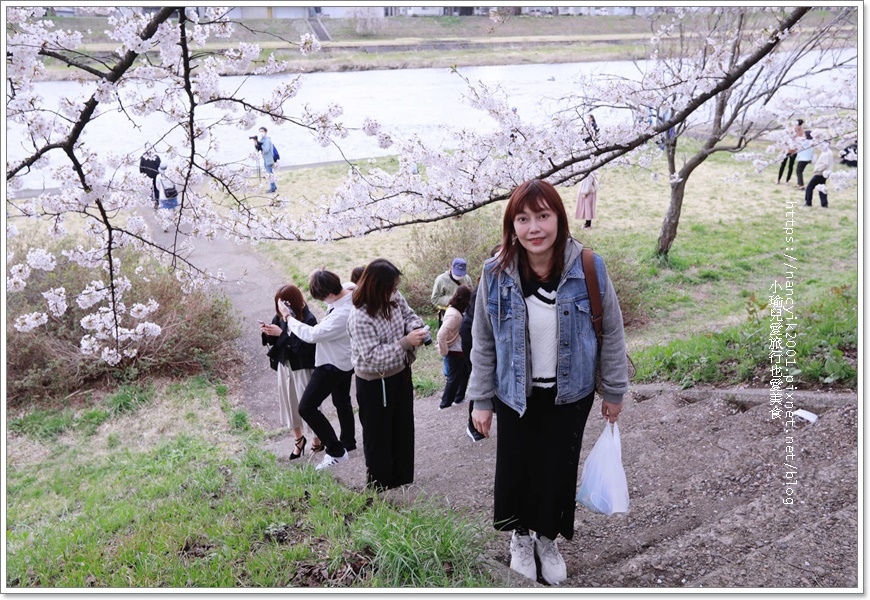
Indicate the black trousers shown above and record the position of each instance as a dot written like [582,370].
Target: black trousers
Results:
[811,188]
[790,160]
[386,413]
[326,380]
[537,489]
[801,165]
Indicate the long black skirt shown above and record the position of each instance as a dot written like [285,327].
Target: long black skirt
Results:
[386,413]
[537,457]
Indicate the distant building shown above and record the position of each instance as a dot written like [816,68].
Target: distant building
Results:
[613,11]
[425,11]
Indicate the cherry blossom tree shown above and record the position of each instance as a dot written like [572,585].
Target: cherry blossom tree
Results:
[719,73]
[162,66]
[762,104]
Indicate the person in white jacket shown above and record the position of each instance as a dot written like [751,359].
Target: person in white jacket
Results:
[822,168]
[804,157]
[333,368]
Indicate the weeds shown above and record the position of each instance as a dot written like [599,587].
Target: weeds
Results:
[423,546]
[129,398]
[184,513]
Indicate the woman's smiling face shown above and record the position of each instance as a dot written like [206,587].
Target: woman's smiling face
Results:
[536,230]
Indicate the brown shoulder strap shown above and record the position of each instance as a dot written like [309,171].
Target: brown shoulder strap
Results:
[588,258]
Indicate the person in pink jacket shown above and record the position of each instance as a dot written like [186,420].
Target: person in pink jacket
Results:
[450,347]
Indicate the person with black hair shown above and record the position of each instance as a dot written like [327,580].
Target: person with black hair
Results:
[792,150]
[384,335]
[148,166]
[333,367]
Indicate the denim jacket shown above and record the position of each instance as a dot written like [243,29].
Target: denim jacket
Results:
[500,354]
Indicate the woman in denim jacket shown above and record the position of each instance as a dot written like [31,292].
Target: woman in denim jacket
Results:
[542,385]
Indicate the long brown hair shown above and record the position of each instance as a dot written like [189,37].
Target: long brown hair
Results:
[293,295]
[534,195]
[375,288]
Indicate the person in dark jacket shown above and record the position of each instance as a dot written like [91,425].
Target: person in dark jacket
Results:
[465,336]
[148,166]
[293,359]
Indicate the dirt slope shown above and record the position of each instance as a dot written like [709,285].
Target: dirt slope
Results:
[705,470]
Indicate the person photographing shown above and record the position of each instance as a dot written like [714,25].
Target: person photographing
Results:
[264,146]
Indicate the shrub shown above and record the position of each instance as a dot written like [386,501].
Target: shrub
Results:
[47,362]
[433,249]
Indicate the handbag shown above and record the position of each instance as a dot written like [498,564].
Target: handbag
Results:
[588,259]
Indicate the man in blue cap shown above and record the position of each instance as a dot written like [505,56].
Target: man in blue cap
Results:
[446,284]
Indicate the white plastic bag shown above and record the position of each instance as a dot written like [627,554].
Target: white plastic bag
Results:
[603,487]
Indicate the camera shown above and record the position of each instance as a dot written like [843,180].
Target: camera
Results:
[253,137]
[289,308]
[428,339]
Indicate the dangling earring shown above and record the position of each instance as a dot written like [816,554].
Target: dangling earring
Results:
[513,239]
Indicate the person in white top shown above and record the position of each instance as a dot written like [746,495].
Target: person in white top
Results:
[333,369]
[822,168]
[804,157]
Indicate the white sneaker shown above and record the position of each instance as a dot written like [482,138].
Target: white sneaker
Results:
[523,556]
[553,568]
[329,461]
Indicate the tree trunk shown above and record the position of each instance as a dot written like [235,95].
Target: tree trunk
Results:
[672,219]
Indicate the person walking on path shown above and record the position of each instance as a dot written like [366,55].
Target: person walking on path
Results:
[587,199]
[149,166]
[264,146]
[333,367]
[450,347]
[293,360]
[804,157]
[384,335]
[822,169]
[167,193]
[542,385]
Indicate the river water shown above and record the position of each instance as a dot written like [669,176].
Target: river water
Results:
[425,102]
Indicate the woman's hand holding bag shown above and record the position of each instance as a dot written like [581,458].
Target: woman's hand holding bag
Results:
[603,486]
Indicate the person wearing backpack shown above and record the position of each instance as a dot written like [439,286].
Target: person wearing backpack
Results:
[270,157]
[167,193]
[542,385]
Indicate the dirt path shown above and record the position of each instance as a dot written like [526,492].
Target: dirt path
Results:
[706,469]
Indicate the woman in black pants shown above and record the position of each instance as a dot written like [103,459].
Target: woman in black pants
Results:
[450,347]
[333,368]
[384,336]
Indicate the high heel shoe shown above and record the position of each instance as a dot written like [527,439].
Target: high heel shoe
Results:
[319,447]
[300,448]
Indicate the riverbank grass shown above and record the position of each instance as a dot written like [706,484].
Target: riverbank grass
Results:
[170,493]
